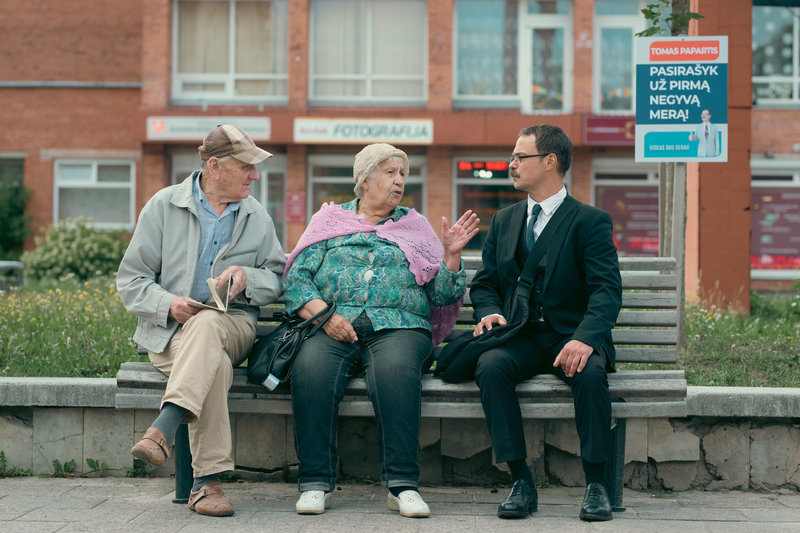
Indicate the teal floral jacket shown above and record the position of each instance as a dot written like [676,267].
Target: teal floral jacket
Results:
[365,273]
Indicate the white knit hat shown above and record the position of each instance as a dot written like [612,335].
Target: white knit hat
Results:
[372,156]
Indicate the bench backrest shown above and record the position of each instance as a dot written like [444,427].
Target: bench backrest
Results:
[647,328]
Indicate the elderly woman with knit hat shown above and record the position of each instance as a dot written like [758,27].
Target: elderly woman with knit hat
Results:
[397,289]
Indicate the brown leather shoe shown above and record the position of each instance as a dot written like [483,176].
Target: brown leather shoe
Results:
[210,501]
[152,448]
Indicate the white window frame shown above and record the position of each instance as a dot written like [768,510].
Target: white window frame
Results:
[346,161]
[92,183]
[778,166]
[793,79]
[635,23]
[526,23]
[229,79]
[368,77]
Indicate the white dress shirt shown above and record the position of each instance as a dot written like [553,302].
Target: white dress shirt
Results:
[549,206]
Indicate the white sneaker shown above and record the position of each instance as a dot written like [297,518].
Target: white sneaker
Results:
[313,502]
[409,503]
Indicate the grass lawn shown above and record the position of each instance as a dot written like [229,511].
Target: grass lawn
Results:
[80,329]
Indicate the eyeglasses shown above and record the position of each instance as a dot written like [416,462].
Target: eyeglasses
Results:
[517,158]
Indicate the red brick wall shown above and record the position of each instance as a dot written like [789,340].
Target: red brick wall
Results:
[82,122]
[719,195]
[55,40]
[440,186]
[583,42]
[775,130]
[155,33]
[96,40]
[298,53]
[440,55]
[296,173]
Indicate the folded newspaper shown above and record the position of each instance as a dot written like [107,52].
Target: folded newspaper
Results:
[220,297]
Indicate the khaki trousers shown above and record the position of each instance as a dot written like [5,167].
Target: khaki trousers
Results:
[199,361]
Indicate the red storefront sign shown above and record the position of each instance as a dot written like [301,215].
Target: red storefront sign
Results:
[600,130]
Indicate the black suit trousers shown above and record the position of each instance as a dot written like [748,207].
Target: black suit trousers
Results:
[532,352]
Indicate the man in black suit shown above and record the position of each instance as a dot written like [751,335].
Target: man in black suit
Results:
[575,298]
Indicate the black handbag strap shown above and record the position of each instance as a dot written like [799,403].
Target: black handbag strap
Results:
[325,315]
[540,248]
[522,292]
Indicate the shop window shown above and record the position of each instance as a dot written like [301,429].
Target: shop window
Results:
[102,190]
[367,52]
[269,189]
[513,54]
[331,178]
[230,51]
[776,72]
[629,193]
[483,185]
[775,220]
[615,23]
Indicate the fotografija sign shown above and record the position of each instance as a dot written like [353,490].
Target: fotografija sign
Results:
[360,131]
[682,99]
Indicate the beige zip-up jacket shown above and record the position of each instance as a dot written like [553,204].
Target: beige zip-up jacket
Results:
[160,261]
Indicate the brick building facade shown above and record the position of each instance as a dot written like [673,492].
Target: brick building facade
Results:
[104,103]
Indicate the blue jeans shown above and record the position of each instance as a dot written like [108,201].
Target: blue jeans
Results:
[393,361]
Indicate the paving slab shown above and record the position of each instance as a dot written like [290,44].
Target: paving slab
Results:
[122,505]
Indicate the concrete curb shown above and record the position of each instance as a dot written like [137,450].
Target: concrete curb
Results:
[57,392]
[758,402]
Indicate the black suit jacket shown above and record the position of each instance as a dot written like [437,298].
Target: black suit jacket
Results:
[582,292]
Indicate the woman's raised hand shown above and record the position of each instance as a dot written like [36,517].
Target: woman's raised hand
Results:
[456,237]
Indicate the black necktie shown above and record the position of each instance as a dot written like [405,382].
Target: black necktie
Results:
[706,131]
[530,238]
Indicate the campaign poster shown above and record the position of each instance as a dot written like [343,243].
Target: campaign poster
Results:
[682,99]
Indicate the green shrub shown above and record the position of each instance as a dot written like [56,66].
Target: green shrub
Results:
[16,223]
[74,248]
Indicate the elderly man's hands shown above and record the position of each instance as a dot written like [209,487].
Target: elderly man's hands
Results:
[181,310]
[238,280]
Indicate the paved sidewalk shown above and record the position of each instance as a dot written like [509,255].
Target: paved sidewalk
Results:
[135,505]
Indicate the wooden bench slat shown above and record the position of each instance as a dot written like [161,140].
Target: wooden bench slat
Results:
[648,281]
[649,300]
[658,337]
[473,262]
[652,318]
[647,355]
[631,280]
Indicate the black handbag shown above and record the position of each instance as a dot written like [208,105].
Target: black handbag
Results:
[271,357]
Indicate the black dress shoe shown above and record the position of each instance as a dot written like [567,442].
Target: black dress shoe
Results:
[596,505]
[521,501]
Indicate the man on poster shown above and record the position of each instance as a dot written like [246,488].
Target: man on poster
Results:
[706,134]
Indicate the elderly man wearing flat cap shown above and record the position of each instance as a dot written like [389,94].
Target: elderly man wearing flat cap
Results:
[208,226]
[397,288]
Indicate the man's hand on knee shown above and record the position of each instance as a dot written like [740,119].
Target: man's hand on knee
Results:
[573,356]
[180,310]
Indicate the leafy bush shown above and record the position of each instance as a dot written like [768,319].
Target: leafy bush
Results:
[16,223]
[74,248]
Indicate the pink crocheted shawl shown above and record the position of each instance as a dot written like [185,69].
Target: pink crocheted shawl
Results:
[411,233]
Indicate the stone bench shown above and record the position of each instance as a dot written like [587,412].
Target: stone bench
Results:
[646,332]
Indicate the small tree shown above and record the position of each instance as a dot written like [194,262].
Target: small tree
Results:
[14,220]
[675,23]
